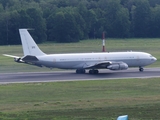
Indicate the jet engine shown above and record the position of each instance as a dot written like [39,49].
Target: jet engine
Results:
[118,66]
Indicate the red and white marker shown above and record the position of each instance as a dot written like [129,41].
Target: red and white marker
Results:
[103,43]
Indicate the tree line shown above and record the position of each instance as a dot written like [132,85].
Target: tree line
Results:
[74,20]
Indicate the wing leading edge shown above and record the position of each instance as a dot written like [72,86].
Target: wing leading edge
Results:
[97,65]
[107,65]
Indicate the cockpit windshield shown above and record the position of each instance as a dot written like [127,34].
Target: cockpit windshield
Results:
[151,56]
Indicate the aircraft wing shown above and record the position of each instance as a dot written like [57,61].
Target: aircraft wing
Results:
[107,65]
[102,64]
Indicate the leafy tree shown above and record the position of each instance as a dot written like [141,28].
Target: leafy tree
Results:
[92,21]
[72,3]
[13,26]
[5,3]
[73,20]
[80,23]
[1,8]
[29,18]
[117,20]
[82,10]
[38,23]
[62,26]
[155,24]
[4,28]
[140,18]
[25,19]
[153,3]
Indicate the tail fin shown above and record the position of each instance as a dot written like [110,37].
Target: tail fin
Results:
[28,44]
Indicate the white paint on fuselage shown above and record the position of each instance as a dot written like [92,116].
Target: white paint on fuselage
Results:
[78,60]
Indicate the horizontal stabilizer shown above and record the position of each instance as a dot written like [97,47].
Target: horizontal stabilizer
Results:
[16,58]
[30,58]
[12,56]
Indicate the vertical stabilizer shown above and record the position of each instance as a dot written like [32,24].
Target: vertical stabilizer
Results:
[28,44]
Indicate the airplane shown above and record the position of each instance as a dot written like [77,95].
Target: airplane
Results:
[80,61]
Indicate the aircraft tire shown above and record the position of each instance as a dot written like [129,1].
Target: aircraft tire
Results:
[96,71]
[80,71]
[90,71]
[141,69]
[93,71]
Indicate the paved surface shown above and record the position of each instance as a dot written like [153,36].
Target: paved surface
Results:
[55,76]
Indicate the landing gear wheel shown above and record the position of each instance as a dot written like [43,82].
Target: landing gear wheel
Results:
[93,71]
[96,71]
[141,69]
[80,71]
[90,71]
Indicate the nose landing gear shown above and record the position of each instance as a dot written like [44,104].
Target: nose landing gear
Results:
[141,69]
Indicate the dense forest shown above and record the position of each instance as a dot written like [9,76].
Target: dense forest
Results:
[74,20]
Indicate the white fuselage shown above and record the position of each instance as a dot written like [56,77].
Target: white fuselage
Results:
[79,60]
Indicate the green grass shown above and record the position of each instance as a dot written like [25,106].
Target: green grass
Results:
[146,45]
[89,100]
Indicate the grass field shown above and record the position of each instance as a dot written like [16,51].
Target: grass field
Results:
[146,45]
[83,100]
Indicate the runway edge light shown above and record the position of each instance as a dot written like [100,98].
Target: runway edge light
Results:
[124,117]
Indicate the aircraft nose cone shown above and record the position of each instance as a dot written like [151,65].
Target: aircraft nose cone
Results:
[155,59]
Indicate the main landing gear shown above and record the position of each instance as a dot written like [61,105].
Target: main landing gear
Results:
[83,71]
[93,71]
[80,71]
[141,69]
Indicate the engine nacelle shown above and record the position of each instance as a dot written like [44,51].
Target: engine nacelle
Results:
[118,66]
